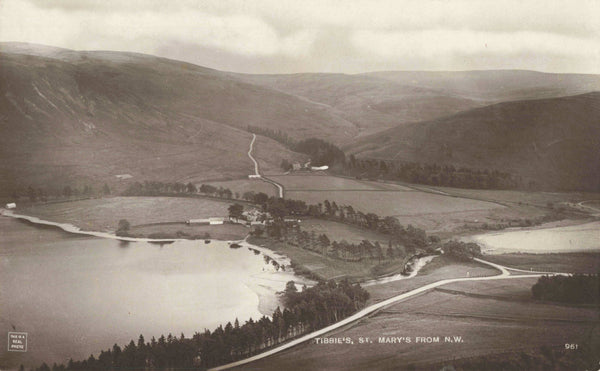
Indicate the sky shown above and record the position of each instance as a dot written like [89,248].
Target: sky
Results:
[346,36]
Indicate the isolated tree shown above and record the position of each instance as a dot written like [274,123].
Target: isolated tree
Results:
[285,165]
[191,188]
[106,189]
[67,191]
[123,225]
[235,210]
[31,194]
[261,198]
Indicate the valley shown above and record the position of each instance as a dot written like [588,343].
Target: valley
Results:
[346,182]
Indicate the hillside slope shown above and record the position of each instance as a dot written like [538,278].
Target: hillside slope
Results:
[68,115]
[379,100]
[372,104]
[496,86]
[552,142]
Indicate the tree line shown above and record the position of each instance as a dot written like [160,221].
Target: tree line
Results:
[410,237]
[320,152]
[43,194]
[431,174]
[574,289]
[305,311]
[325,153]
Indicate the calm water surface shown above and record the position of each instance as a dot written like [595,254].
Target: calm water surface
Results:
[77,295]
[575,238]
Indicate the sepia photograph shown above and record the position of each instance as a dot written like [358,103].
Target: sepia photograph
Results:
[299,185]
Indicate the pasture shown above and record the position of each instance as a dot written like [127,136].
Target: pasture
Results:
[584,262]
[224,232]
[482,325]
[320,182]
[326,267]
[535,198]
[385,203]
[244,185]
[340,231]
[103,214]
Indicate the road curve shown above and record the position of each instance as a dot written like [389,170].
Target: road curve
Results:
[252,158]
[257,173]
[505,274]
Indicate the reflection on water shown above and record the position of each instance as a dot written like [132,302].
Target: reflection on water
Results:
[78,295]
[576,238]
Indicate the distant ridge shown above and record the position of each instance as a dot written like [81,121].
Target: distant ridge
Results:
[554,143]
[86,116]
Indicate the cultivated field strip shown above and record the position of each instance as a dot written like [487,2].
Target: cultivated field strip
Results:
[372,309]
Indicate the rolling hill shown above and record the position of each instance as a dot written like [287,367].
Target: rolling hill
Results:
[379,100]
[553,142]
[67,116]
[72,118]
[372,104]
[496,86]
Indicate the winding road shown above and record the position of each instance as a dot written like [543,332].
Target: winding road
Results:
[505,274]
[256,170]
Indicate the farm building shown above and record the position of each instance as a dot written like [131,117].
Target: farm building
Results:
[211,221]
[216,221]
[11,205]
[317,168]
[253,176]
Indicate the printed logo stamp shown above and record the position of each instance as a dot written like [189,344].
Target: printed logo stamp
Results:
[17,341]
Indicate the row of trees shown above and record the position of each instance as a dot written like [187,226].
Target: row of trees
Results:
[320,152]
[307,310]
[464,251]
[576,289]
[344,250]
[325,153]
[43,194]
[432,174]
[156,188]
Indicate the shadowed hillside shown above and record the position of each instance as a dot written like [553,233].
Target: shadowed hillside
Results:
[371,103]
[68,115]
[379,100]
[496,86]
[552,142]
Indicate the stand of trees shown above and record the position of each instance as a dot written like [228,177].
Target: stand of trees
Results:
[156,188]
[575,289]
[308,310]
[320,152]
[43,194]
[431,174]
[464,251]
[410,237]
[325,153]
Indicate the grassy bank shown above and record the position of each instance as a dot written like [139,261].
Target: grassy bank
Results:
[225,232]
[103,214]
[310,263]
[583,262]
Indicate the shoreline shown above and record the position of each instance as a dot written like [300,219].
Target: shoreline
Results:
[268,297]
[488,249]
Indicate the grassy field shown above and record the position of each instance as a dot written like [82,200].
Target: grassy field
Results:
[326,268]
[395,203]
[509,196]
[438,269]
[571,262]
[224,232]
[340,231]
[103,214]
[245,185]
[316,181]
[484,325]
